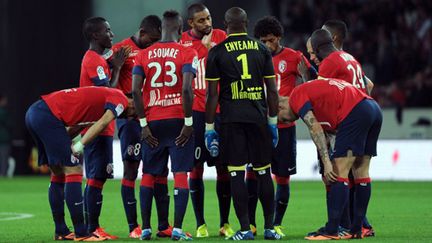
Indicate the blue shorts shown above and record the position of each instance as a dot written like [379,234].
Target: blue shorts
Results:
[129,133]
[50,135]
[98,158]
[284,155]
[359,131]
[155,159]
[201,154]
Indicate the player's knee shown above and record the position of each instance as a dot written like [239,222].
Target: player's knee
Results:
[181,180]
[73,170]
[222,174]
[282,180]
[98,183]
[130,170]
[197,173]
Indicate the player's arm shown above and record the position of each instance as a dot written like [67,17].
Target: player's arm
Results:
[272,96]
[117,61]
[305,70]
[318,136]
[285,113]
[369,84]
[74,131]
[212,78]
[189,72]
[138,77]
[94,131]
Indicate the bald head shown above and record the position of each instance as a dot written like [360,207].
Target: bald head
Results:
[236,20]
[322,43]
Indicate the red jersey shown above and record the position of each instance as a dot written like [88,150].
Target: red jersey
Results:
[285,67]
[125,79]
[330,99]
[341,65]
[86,105]
[188,39]
[162,65]
[95,71]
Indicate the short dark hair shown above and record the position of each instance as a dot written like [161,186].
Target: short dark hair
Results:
[92,25]
[338,26]
[151,23]
[268,25]
[195,8]
[171,14]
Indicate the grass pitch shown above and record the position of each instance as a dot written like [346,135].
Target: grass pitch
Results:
[399,211]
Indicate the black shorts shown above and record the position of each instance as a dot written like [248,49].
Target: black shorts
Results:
[284,155]
[243,143]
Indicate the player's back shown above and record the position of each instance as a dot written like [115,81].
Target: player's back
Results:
[331,99]
[342,65]
[84,105]
[125,79]
[241,63]
[163,65]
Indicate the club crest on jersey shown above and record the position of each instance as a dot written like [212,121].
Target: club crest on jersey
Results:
[130,150]
[282,66]
[119,109]
[101,73]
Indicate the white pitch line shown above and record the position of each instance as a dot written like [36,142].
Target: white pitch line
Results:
[6,216]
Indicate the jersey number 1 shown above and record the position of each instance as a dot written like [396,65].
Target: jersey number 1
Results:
[243,59]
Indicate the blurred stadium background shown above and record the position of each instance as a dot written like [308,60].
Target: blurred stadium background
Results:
[42,46]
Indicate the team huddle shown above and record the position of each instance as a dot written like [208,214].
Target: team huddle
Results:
[215,97]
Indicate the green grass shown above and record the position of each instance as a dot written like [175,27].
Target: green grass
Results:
[399,211]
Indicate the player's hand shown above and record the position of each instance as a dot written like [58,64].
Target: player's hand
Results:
[77,149]
[302,68]
[184,136]
[328,173]
[206,40]
[120,56]
[147,136]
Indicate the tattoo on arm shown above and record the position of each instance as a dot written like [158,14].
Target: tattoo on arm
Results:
[317,135]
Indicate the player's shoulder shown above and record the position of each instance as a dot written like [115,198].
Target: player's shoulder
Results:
[289,54]
[93,58]
[126,42]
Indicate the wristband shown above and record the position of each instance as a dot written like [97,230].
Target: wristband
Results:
[78,147]
[188,121]
[272,120]
[209,126]
[143,122]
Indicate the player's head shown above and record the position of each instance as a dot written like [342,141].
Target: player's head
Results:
[172,24]
[98,30]
[236,20]
[312,55]
[149,31]
[322,43]
[338,29]
[270,31]
[199,19]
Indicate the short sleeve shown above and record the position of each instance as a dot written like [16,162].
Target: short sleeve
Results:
[299,102]
[212,69]
[138,68]
[190,61]
[268,64]
[98,71]
[116,103]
